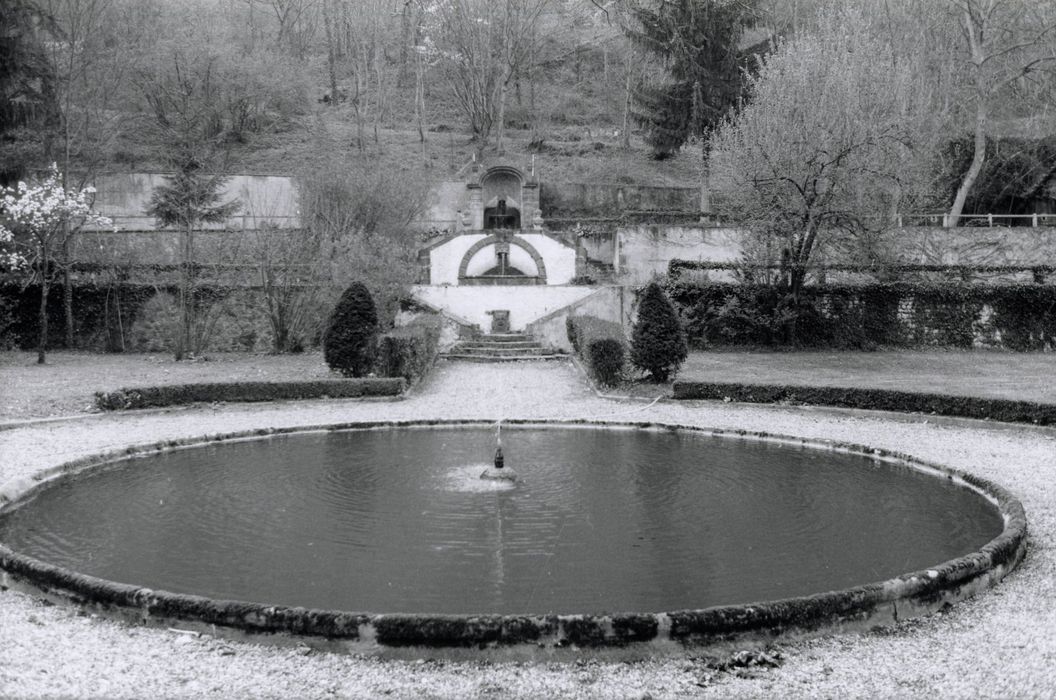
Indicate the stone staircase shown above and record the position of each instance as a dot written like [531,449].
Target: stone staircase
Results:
[501,347]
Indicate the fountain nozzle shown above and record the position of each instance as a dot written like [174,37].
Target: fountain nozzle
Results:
[498,472]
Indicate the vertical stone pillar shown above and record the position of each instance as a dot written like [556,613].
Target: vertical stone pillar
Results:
[476,206]
[530,194]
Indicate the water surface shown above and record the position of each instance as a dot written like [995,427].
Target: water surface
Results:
[603,520]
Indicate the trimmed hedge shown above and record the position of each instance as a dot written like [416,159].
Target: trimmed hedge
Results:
[179,394]
[606,357]
[1017,316]
[1005,410]
[601,344]
[409,351]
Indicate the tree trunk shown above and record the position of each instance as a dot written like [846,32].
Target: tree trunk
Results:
[975,34]
[183,343]
[379,79]
[978,158]
[406,39]
[705,172]
[331,51]
[626,133]
[419,99]
[42,341]
[503,90]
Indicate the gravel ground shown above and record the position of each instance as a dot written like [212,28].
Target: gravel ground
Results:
[1001,644]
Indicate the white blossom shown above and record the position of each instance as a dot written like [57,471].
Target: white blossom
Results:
[41,210]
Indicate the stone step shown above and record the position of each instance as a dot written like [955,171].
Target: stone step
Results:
[503,337]
[472,357]
[520,345]
[501,347]
[494,350]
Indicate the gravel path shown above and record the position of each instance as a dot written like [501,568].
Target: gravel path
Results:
[1002,643]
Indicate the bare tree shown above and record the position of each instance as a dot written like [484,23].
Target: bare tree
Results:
[1005,42]
[296,21]
[824,145]
[87,75]
[519,22]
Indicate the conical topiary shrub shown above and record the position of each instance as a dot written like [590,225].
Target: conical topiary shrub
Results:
[352,333]
[658,344]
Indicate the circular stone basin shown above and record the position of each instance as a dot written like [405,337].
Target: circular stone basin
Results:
[601,519]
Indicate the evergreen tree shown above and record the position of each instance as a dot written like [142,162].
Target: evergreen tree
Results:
[697,40]
[352,333]
[658,343]
[28,102]
[189,199]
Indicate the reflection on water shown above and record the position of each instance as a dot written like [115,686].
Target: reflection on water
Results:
[600,520]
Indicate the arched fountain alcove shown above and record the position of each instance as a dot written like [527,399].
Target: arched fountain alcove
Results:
[503,197]
[502,259]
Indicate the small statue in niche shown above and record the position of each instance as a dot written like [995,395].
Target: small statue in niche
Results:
[537,220]
[467,219]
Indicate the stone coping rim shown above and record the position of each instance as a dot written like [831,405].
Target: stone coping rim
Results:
[861,607]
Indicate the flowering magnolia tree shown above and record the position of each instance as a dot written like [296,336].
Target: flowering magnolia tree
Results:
[36,220]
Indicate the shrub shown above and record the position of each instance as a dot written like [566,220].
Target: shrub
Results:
[349,343]
[156,325]
[658,343]
[866,316]
[1005,410]
[600,344]
[409,351]
[606,356]
[178,394]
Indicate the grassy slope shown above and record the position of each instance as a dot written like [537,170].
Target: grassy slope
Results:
[577,120]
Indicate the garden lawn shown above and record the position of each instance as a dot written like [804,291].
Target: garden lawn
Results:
[987,374]
[66,385]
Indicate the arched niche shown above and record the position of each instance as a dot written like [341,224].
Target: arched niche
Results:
[502,260]
[503,196]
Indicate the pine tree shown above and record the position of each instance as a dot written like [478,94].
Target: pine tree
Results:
[189,199]
[352,333]
[658,343]
[697,40]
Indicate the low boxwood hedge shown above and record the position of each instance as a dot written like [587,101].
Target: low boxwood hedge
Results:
[601,344]
[1005,410]
[179,394]
[409,351]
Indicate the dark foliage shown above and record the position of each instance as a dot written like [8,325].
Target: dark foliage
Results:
[698,43]
[350,340]
[607,356]
[658,342]
[1018,317]
[876,399]
[1014,177]
[409,351]
[103,314]
[601,345]
[179,394]
[29,109]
